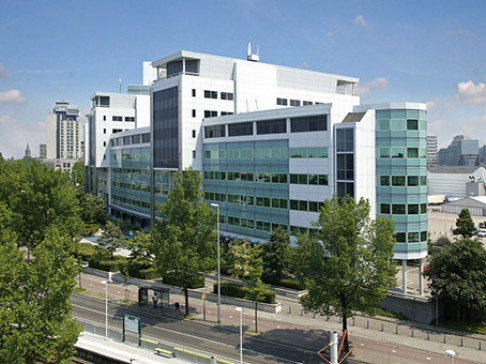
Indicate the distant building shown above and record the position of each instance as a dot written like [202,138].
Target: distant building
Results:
[42,151]
[63,147]
[28,152]
[432,151]
[463,151]
[456,181]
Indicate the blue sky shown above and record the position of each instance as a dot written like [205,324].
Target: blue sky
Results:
[418,51]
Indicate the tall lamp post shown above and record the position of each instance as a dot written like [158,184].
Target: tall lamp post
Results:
[452,354]
[240,310]
[216,206]
[106,303]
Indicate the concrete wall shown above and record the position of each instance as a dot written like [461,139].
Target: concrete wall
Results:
[416,308]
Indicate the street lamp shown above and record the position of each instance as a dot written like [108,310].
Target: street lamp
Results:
[240,310]
[106,303]
[216,206]
[452,354]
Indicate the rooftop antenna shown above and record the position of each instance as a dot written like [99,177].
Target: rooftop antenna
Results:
[250,56]
[120,82]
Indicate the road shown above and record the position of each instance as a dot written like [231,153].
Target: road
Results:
[221,340]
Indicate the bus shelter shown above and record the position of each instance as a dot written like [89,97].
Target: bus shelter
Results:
[163,295]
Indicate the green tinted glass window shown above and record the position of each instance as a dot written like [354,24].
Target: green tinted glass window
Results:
[399,209]
[383,124]
[312,153]
[322,152]
[384,180]
[413,209]
[385,208]
[412,124]
[298,152]
[398,124]
[412,152]
[413,180]
[398,180]
[398,153]
[384,152]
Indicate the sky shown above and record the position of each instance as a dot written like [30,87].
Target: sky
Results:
[432,52]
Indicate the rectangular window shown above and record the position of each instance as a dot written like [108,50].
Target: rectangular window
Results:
[322,152]
[294,102]
[193,154]
[401,237]
[302,205]
[413,237]
[210,94]
[193,113]
[193,92]
[281,101]
[308,123]
[398,124]
[240,129]
[384,152]
[294,204]
[423,235]
[384,180]
[294,178]
[385,208]
[398,180]
[117,118]
[398,153]
[302,179]
[423,208]
[298,152]
[313,206]
[129,118]
[305,103]
[226,96]
[423,180]
[216,131]
[399,209]
[104,131]
[313,179]
[210,113]
[323,180]
[104,117]
[412,124]
[412,152]
[413,180]
[264,153]
[383,124]
[413,209]
[277,126]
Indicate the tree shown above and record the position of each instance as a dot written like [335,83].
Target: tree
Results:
[464,224]
[184,237]
[277,253]
[92,209]
[458,276]
[238,258]
[349,266]
[111,239]
[256,289]
[36,324]
[77,174]
[141,248]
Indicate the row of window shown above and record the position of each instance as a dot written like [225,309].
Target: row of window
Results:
[129,140]
[413,237]
[284,102]
[214,95]
[129,201]
[320,152]
[411,181]
[403,209]
[260,153]
[212,113]
[402,124]
[120,118]
[402,152]
[265,127]
[266,177]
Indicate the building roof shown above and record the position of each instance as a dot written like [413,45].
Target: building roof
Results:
[455,169]
[354,117]
[469,202]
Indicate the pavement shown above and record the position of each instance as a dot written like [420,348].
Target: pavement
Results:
[378,340]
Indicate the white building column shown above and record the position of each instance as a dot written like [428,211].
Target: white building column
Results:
[421,276]
[404,275]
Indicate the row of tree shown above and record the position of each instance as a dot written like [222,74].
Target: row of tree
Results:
[42,213]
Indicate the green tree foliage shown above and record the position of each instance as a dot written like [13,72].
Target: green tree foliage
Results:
[77,174]
[238,258]
[38,197]
[141,248]
[458,275]
[92,209]
[464,224]
[111,239]
[35,313]
[277,253]
[184,237]
[256,289]
[349,266]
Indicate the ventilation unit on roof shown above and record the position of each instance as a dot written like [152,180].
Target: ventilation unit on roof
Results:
[252,57]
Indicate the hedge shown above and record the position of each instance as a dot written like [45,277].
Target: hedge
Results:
[171,279]
[108,265]
[142,271]
[86,251]
[89,229]
[235,290]
[285,282]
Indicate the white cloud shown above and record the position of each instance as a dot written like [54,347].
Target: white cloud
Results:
[15,135]
[3,72]
[360,20]
[12,96]
[432,105]
[471,93]
[377,84]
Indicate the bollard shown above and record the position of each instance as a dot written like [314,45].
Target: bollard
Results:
[428,335]
[382,327]
[354,321]
[462,342]
[480,346]
[445,339]
[412,332]
[327,318]
[340,320]
[290,310]
[396,330]
[367,324]
[314,313]
[301,312]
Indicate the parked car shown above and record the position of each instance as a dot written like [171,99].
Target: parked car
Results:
[481,233]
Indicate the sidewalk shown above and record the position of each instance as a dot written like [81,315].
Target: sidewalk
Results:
[376,339]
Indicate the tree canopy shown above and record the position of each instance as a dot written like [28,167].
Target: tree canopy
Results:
[349,266]
[256,289]
[277,253]
[111,239]
[238,258]
[184,237]
[458,275]
[464,224]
